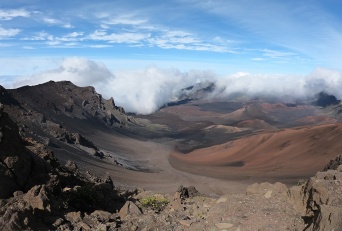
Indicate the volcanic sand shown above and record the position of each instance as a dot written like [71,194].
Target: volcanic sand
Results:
[153,171]
[286,155]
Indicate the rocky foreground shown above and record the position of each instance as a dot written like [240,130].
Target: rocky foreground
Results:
[37,193]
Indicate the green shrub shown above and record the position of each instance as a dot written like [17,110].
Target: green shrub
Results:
[153,202]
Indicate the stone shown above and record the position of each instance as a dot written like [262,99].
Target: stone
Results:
[89,221]
[176,205]
[37,198]
[224,225]
[333,164]
[84,226]
[18,193]
[129,208]
[58,222]
[339,168]
[319,200]
[103,216]
[221,200]
[187,192]
[186,223]
[268,194]
[102,227]
[71,166]
[74,217]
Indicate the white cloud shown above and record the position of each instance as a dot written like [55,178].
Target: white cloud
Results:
[101,35]
[28,47]
[75,34]
[40,36]
[146,90]
[258,59]
[61,23]
[7,33]
[183,40]
[51,21]
[10,14]
[254,85]
[68,26]
[80,71]
[125,20]
[325,79]
[100,46]
[276,54]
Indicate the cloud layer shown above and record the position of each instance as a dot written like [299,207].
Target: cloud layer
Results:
[145,91]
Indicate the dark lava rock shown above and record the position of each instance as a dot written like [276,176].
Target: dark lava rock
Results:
[324,100]
[188,192]
[333,164]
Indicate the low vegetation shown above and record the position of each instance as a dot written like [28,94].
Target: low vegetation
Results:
[154,202]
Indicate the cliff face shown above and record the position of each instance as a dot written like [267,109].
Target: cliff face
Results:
[20,168]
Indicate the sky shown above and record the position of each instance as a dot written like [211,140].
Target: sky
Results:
[171,42]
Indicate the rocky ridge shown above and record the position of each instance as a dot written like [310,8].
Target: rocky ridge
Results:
[51,105]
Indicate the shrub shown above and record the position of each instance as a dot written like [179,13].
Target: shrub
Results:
[153,202]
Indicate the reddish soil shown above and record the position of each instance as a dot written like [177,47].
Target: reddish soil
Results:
[286,155]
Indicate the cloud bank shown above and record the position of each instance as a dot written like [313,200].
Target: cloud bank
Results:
[145,91]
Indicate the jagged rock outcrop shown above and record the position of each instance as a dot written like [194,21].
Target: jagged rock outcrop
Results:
[36,193]
[335,164]
[17,164]
[319,200]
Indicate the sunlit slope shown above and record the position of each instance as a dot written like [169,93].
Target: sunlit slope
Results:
[295,150]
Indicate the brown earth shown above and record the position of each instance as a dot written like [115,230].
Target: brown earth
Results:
[286,155]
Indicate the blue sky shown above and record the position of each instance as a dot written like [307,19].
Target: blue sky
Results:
[274,37]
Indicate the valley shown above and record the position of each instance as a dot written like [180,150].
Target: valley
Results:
[72,160]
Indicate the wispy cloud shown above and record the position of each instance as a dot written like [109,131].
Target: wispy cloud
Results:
[40,36]
[61,23]
[8,33]
[308,29]
[101,35]
[276,53]
[13,13]
[51,21]
[28,47]
[125,20]
[100,46]
[75,34]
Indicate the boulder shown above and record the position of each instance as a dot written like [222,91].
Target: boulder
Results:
[319,201]
[129,208]
[37,198]
[334,164]
[187,192]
